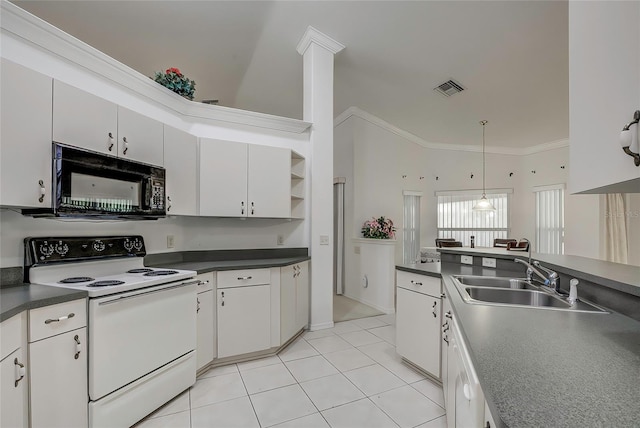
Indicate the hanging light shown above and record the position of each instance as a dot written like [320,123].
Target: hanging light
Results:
[483,204]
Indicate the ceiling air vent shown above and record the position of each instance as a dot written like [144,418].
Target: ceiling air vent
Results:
[449,88]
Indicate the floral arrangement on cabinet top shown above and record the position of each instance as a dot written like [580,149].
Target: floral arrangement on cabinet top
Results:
[379,228]
[174,80]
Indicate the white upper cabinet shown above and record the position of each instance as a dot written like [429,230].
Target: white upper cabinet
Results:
[180,161]
[604,92]
[223,178]
[140,138]
[269,184]
[25,137]
[84,120]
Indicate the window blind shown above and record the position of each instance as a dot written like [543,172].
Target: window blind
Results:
[411,228]
[550,220]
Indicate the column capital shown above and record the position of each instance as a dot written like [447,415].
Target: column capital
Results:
[314,36]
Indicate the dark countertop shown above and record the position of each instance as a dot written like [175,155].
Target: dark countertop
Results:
[217,265]
[18,298]
[621,277]
[429,269]
[542,367]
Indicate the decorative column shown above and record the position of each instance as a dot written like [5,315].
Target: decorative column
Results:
[318,52]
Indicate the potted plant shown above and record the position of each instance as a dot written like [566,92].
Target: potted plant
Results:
[174,80]
[379,228]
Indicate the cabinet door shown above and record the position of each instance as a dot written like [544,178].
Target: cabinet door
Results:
[58,380]
[244,320]
[418,330]
[205,324]
[269,182]
[84,120]
[288,303]
[140,138]
[302,287]
[446,340]
[13,404]
[223,178]
[452,374]
[180,161]
[25,133]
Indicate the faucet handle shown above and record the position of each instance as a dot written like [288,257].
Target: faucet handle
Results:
[573,291]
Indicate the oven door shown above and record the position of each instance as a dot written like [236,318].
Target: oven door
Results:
[134,333]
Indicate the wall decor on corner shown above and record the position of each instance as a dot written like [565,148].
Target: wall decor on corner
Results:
[174,80]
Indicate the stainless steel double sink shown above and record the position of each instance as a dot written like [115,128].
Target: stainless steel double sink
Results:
[517,292]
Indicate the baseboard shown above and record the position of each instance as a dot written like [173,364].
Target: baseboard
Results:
[386,311]
[321,326]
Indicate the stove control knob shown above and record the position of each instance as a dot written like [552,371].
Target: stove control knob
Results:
[137,244]
[98,245]
[45,249]
[128,245]
[62,248]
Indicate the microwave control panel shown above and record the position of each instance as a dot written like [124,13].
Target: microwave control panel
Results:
[157,195]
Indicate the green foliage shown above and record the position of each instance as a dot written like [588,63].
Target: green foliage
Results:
[174,80]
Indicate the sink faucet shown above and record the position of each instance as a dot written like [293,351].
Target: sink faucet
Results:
[554,279]
[531,270]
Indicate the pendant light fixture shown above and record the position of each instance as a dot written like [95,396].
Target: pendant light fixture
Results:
[483,204]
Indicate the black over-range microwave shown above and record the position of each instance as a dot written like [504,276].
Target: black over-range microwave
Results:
[96,185]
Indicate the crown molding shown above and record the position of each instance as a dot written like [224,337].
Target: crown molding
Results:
[375,120]
[311,35]
[27,28]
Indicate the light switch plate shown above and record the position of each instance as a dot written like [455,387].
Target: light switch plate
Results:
[488,262]
[280,240]
[356,250]
[467,260]
[170,241]
[324,239]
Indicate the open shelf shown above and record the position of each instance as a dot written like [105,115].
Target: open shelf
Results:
[298,167]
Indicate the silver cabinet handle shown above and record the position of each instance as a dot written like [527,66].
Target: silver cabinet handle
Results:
[168,203]
[434,309]
[415,282]
[42,190]
[240,278]
[445,339]
[252,208]
[443,296]
[203,282]
[448,314]
[198,307]
[126,145]
[222,304]
[242,207]
[20,371]
[66,317]
[78,346]
[111,142]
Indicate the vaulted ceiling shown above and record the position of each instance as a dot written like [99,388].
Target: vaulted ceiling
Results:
[511,56]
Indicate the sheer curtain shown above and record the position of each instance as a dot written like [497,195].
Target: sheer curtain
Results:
[411,227]
[615,227]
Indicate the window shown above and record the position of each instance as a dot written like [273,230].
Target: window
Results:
[411,227]
[456,218]
[550,219]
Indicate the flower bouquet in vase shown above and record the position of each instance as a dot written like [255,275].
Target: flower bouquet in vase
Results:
[379,228]
[174,80]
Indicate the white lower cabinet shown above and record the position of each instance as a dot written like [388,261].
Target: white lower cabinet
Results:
[12,390]
[294,299]
[58,380]
[446,340]
[206,320]
[418,320]
[244,319]
[488,419]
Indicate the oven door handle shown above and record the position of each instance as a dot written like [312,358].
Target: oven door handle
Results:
[123,298]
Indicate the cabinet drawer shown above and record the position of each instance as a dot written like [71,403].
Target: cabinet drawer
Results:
[56,319]
[10,335]
[419,283]
[242,278]
[207,282]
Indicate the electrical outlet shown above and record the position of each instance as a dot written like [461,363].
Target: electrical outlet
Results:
[170,241]
[356,250]
[488,262]
[324,239]
[280,240]
[467,260]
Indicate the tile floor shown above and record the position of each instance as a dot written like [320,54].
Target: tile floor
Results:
[349,376]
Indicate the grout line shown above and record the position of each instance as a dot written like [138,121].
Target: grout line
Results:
[249,397]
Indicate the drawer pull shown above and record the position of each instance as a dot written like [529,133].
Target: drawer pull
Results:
[445,339]
[415,282]
[240,278]
[434,309]
[78,346]
[66,317]
[198,307]
[448,314]
[20,371]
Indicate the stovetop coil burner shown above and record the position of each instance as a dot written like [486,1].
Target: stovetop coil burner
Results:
[106,283]
[141,270]
[161,273]
[75,280]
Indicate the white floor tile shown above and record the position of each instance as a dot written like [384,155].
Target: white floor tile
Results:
[177,405]
[345,327]
[380,351]
[331,391]
[374,379]
[310,368]
[312,421]
[389,319]
[262,362]
[318,333]
[182,419]
[402,370]
[349,359]
[360,414]
[386,333]
[216,389]
[371,322]
[407,407]
[281,405]
[299,349]
[324,345]
[237,413]
[266,378]
[440,422]
[430,390]
[217,371]
[360,338]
